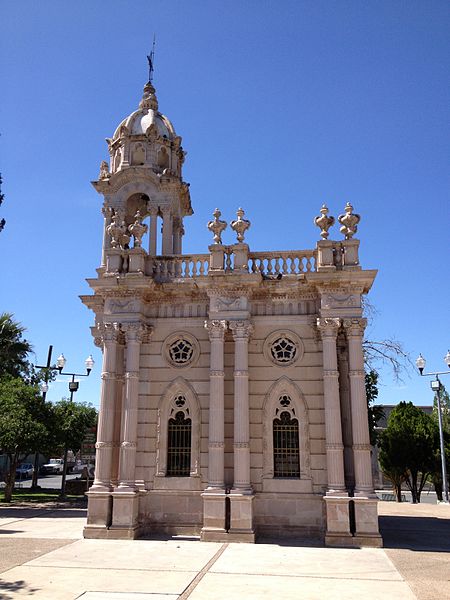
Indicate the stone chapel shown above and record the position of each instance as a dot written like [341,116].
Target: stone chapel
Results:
[232,401]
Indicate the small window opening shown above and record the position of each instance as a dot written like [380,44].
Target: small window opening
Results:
[179,446]
[286,456]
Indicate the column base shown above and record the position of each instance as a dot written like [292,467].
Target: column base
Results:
[214,516]
[241,516]
[366,522]
[125,512]
[352,528]
[338,520]
[99,513]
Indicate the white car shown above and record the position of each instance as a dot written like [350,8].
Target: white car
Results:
[55,466]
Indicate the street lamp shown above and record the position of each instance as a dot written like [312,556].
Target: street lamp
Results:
[73,387]
[44,389]
[436,386]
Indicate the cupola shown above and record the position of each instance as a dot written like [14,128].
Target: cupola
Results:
[146,138]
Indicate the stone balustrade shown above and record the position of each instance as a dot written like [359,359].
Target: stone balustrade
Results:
[329,255]
[291,262]
[187,266]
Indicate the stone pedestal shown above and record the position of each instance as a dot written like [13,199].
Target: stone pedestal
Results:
[366,523]
[114,261]
[240,252]
[124,515]
[350,255]
[214,517]
[241,518]
[99,515]
[338,521]
[137,261]
[325,256]
[216,262]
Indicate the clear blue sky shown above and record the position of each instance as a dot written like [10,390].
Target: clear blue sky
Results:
[282,105]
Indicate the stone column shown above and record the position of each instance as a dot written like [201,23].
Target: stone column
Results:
[354,329]
[346,411]
[177,233]
[153,231]
[99,514]
[106,211]
[328,328]
[134,335]
[125,504]
[336,498]
[167,241]
[110,337]
[216,443]
[241,333]
[214,499]
[241,496]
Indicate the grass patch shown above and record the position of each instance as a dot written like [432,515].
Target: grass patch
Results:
[47,495]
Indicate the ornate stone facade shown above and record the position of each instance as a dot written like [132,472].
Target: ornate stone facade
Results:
[233,400]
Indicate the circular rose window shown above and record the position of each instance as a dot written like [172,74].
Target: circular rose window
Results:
[283,348]
[181,349]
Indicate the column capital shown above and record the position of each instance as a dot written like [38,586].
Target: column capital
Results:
[241,329]
[354,327]
[328,326]
[153,211]
[137,331]
[107,332]
[216,329]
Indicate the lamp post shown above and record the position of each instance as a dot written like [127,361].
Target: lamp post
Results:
[44,390]
[73,387]
[436,386]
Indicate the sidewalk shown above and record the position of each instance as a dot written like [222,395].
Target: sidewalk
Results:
[43,556]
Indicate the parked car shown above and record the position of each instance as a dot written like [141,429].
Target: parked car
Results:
[54,466]
[24,470]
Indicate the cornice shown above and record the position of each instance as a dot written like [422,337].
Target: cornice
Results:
[121,178]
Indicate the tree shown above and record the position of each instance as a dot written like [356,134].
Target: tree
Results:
[14,349]
[375,413]
[25,424]
[2,197]
[407,447]
[436,476]
[73,419]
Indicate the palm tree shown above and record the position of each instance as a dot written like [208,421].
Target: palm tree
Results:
[14,349]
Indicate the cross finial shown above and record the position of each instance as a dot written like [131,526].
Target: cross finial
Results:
[151,61]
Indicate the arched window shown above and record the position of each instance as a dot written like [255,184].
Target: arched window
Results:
[286,450]
[178,438]
[286,445]
[179,433]
[163,158]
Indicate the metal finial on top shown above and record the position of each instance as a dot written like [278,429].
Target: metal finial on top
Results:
[151,61]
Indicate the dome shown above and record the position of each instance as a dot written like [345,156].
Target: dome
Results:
[147,114]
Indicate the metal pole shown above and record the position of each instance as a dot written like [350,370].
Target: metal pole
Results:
[34,481]
[66,449]
[441,440]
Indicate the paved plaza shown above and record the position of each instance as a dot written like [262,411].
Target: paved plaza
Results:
[44,556]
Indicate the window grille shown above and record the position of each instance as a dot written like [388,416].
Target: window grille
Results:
[286,456]
[283,350]
[181,351]
[179,446]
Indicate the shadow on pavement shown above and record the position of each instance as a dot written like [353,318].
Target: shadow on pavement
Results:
[427,534]
[12,587]
[20,512]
